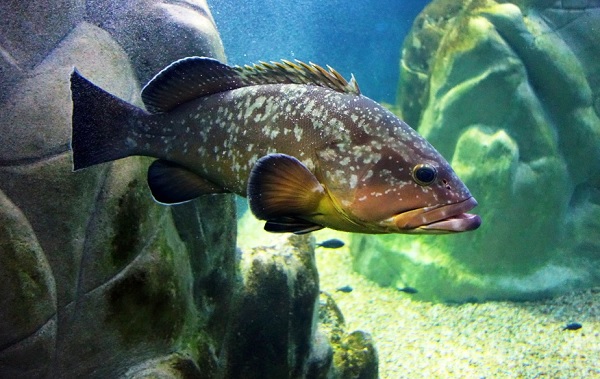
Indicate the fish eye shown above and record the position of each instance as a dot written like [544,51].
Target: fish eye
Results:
[424,174]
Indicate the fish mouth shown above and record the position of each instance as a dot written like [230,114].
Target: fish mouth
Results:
[451,218]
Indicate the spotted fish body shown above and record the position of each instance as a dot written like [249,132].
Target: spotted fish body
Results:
[301,142]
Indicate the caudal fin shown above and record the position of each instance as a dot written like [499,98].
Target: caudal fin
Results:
[101,124]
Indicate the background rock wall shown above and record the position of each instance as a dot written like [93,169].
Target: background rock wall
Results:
[96,276]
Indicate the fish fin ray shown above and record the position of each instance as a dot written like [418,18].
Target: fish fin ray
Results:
[193,77]
[291,225]
[281,186]
[171,183]
[286,72]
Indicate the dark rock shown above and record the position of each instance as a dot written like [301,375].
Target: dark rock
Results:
[282,328]
[272,325]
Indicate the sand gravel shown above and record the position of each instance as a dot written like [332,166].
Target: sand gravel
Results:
[486,340]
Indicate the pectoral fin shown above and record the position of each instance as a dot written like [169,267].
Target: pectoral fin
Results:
[171,183]
[284,192]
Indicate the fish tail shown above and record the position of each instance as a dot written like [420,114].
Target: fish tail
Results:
[100,124]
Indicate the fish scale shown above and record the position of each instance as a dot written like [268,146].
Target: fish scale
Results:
[302,143]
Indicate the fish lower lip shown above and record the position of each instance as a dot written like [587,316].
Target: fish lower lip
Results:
[460,223]
[445,219]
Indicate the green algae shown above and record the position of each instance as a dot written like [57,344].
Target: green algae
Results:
[356,357]
[132,212]
[144,311]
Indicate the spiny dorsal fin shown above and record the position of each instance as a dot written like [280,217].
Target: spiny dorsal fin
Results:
[190,78]
[286,72]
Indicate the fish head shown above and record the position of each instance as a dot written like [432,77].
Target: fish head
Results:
[400,185]
[416,194]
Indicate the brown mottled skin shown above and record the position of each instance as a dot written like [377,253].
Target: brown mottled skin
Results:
[361,154]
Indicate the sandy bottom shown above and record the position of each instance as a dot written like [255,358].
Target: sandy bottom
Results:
[488,340]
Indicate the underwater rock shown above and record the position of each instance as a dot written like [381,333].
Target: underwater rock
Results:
[28,297]
[509,92]
[281,326]
[354,354]
[106,277]
[29,35]
[271,327]
[185,28]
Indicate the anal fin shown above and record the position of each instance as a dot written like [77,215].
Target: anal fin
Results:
[290,225]
[171,183]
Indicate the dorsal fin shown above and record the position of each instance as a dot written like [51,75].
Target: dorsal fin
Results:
[286,72]
[194,77]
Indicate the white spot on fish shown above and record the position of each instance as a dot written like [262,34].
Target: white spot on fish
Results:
[298,133]
[257,104]
[308,163]
[310,106]
[353,181]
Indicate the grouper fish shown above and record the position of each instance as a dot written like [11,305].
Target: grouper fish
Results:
[300,141]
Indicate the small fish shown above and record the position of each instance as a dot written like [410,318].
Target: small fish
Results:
[345,289]
[573,326]
[300,141]
[333,243]
[410,290]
